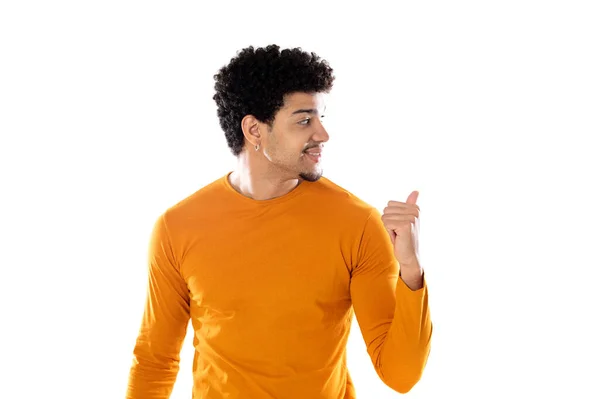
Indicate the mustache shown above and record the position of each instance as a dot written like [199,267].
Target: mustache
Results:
[312,146]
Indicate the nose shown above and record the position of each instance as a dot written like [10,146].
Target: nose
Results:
[321,134]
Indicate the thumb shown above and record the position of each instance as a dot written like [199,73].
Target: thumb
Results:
[412,198]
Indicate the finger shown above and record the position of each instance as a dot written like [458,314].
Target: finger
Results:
[401,227]
[399,217]
[401,211]
[399,224]
[394,204]
[412,198]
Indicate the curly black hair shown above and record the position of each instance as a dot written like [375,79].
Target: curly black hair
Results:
[256,81]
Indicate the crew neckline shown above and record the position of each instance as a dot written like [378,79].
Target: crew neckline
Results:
[299,189]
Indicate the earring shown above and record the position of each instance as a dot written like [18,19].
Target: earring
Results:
[256,147]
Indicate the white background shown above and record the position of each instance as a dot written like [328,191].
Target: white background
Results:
[489,109]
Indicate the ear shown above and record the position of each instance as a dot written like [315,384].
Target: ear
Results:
[251,129]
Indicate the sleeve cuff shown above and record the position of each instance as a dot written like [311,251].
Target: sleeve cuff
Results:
[404,290]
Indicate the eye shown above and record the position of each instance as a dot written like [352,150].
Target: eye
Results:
[306,121]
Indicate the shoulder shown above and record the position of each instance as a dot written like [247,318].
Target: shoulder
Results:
[195,204]
[337,198]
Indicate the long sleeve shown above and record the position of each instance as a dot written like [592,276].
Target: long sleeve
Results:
[394,320]
[164,324]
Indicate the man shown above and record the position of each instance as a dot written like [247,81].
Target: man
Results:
[272,260]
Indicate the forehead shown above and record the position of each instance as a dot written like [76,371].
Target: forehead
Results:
[295,101]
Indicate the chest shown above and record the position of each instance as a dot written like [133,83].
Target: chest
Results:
[268,272]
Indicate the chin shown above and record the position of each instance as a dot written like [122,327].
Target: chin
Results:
[311,176]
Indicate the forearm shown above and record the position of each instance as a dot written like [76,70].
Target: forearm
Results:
[406,348]
[151,376]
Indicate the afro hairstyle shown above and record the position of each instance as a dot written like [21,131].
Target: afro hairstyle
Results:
[256,81]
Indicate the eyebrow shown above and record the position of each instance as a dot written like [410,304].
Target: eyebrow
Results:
[306,111]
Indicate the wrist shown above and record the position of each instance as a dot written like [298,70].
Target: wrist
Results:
[411,263]
[412,275]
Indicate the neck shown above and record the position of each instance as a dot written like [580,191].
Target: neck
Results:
[257,179]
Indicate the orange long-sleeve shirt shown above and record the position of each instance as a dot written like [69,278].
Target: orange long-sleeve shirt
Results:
[271,287]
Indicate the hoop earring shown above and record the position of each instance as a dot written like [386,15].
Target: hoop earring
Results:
[256,147]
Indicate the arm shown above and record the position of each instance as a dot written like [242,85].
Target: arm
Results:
[412,275]
[394,319]
[163,328]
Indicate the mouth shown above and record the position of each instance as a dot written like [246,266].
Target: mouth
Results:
[313,154]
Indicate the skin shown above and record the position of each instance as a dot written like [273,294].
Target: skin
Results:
[281,164]
[401,219]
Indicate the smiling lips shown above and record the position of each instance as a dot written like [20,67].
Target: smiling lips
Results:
[314,154]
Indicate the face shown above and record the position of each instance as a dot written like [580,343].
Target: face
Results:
[293,145]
